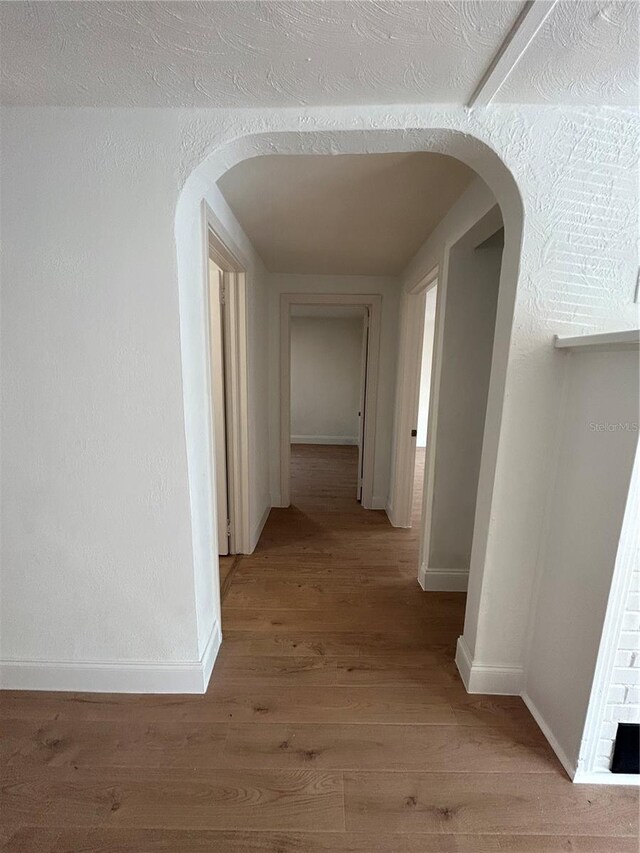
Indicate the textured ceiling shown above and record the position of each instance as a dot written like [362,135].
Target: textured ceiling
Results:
[248,54]
[585,52]
[349,214]
[277,54]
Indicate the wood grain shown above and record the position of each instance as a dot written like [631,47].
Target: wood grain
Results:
[38,840]
[176,799]
[453,749]
[335,721]
[486,803]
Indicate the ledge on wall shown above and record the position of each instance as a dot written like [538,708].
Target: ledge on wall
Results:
[606,341]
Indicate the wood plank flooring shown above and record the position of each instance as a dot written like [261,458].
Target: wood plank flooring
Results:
[335,721]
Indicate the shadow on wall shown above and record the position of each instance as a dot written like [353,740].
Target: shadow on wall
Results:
[471,298]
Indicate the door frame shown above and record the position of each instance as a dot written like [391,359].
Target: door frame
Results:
[408,398]
[374,303]
[219,397]
[236,379]
[411,335]
[362,399]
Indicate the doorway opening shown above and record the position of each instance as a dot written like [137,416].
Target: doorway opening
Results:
[463,373]
[329,345]
[453,311]
[428,304]
[227,348]
[329,354]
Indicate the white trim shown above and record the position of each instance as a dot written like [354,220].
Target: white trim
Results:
[443,580]
[568,765]
[605,777]
[487,678]
[209,656]
[324,439]
[407,396]
[259,527]
[236,352]
[378,502]
[463,662]
[114,676]
[374,303]
[484,227]
[511,51]
[605,341]
[388,508]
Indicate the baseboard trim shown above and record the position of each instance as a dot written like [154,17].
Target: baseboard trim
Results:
[463,661]
[487,678]
[388,508]
[209,656]
[605,777]
[257,530]
[114,676]
[568,765]
[378,503]
[443,580]
[324,439]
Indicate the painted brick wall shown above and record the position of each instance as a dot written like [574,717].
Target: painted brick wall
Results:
[623,701]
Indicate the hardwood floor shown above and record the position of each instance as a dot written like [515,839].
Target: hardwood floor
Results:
[335,721]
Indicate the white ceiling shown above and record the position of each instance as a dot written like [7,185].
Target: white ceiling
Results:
[351,214]
[590,52]
[276,54]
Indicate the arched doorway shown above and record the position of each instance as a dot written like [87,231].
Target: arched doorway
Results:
[454,143]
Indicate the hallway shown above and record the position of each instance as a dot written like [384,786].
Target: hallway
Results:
[335,721]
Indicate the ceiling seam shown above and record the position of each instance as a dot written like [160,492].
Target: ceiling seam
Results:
[511,51]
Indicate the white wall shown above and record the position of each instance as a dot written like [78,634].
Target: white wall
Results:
[389,288]
[584,519]
[425,366]
[473,204]
[325,379]
[101,411]
[470,294]
[108,535]
[193,320]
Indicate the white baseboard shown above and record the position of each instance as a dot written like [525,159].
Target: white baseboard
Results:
[208,658]
[568,765]
[443,580]
[605,777]
[259,527]
[113,677]
[378,503]
[324,439]
[487,678]
[388,508]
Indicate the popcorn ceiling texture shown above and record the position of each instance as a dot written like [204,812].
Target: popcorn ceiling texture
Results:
[104,358]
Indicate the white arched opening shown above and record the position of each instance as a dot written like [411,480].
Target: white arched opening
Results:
[201,184]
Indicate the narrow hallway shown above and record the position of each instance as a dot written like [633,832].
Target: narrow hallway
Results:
[336,666]
[335,721]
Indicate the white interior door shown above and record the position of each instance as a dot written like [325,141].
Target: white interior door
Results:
[218,403]
[363,399]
